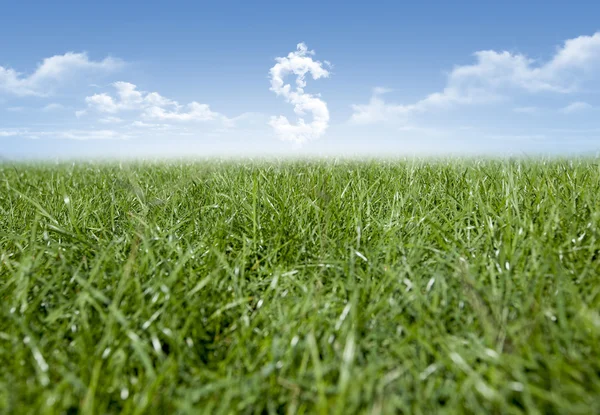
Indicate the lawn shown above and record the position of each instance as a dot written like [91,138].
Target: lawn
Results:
[327,286]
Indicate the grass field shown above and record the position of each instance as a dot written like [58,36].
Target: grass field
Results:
[301,287]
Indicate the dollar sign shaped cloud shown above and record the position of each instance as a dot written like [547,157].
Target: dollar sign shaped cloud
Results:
[299,63]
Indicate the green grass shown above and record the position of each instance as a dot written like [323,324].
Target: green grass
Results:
[301,287]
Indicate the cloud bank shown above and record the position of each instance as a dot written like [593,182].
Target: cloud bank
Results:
[299,63]
[497,76]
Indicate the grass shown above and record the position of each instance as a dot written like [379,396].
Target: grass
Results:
[300,287]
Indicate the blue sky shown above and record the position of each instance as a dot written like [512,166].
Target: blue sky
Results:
[202,78]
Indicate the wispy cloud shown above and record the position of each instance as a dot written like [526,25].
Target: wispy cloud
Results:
[51,73]
[576,107]
[88,135]
[191,112]
[516,137]
[496,76]
[53,107]
[299,63]
[110,120]
[145,125]
[380,90]
[377,110]
[69,134]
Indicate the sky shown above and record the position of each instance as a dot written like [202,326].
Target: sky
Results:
[160,79]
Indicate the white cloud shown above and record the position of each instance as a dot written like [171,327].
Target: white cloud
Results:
[150,126]
[128,98]
[151,105]
[143,124]
[194,112]
[102,103]
[576,107]
[582,52]
[8,133]
[51,73]
[15,109]
[300,64]
[110,120]
[496,75]
[88,135]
